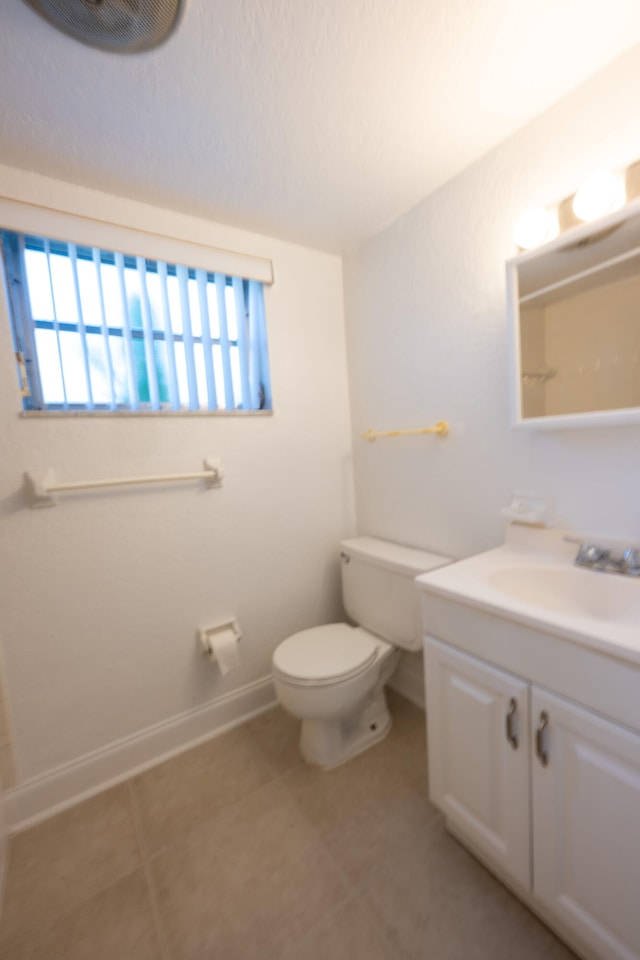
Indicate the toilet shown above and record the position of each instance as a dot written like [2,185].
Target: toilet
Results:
[332,677]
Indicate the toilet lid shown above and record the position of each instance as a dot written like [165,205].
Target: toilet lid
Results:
[325,653]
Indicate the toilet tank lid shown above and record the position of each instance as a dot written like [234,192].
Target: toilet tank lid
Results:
[406,560]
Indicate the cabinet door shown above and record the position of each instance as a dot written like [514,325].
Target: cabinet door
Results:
[477,727]
[586,824]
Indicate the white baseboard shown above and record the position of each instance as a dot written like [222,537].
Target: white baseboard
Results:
[64,786]
[408,680]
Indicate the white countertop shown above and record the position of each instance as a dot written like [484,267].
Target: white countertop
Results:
[532,580]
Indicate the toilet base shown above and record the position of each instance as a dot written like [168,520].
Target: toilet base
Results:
[328,743]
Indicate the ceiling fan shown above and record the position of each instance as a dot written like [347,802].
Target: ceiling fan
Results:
[120,26]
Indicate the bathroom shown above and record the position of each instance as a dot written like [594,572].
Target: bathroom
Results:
[103,595]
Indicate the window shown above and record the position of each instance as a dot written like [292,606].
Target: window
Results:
[98,330]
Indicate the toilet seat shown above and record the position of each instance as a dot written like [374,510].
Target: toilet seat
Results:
[326,654]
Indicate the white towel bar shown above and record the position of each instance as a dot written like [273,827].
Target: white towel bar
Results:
[41,494]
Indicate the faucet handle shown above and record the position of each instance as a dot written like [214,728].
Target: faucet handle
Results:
[591,555]
[631,562]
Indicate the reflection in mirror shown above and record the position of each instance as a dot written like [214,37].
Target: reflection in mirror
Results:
[579,324]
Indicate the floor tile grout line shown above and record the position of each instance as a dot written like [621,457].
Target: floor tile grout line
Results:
[395,949]
[355,893]
[315,837]
[273,777]
[152,854]
[32,937]
[148,875]
[354,890]
[148,856]
[313,841]
[335,863]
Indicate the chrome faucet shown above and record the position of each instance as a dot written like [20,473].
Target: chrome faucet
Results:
[594,557]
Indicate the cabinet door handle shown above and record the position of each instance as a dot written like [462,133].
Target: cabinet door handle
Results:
[541,752]
[512,737]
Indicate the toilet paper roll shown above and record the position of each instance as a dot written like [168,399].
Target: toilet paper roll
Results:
[224,648]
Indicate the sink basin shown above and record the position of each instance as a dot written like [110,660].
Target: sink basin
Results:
[571,591]
[532,580]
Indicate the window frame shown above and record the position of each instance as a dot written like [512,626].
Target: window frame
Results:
[42,222]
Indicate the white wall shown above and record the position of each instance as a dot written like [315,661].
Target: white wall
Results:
[427,340]
[102,595]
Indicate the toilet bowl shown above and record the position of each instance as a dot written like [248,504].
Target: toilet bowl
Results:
[332,677]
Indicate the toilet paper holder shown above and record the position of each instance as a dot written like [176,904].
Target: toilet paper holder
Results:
[209,634]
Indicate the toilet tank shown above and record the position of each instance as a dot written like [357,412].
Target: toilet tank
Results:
[378,589]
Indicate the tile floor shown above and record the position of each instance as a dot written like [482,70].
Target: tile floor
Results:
[237,850]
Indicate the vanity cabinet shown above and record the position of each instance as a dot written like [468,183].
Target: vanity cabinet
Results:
[586,824]
[545,791]
[478,755]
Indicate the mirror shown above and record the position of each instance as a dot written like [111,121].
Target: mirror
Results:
[574,308]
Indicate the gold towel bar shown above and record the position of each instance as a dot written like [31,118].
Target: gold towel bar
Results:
[441,429]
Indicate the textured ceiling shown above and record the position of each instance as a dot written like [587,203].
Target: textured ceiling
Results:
[318,121]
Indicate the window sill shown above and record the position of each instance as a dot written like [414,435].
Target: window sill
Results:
[127,414]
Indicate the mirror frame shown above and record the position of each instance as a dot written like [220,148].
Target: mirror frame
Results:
[598,418]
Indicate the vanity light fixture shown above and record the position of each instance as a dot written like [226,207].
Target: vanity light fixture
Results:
[536,227]
[603,193]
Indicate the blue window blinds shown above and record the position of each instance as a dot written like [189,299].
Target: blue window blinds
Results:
[100,330]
